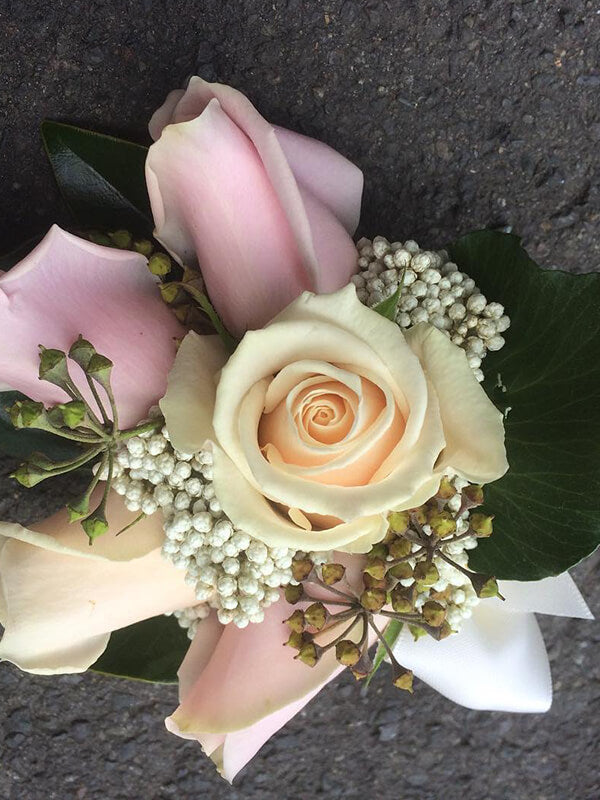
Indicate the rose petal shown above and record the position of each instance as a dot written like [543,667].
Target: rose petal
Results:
[189,403]
[248,509]
[67,286]
[289,338]
[61,598]
[496,662]
[321,206]
[332,180]
[211,197]
[250,676]
[163,115]
[473,426]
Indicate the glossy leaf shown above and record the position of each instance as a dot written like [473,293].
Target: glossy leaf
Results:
[100,177]
[22,443]
[388,307]
[547,381]
[150,651]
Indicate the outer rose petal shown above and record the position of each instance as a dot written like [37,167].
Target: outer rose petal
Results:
[61,599]
[211,196]
[189,403]
[472,424]
[164,115]
[67,286]
[250,676]
[317,190]
[319,169]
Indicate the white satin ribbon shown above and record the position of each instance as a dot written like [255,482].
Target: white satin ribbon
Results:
[498,661]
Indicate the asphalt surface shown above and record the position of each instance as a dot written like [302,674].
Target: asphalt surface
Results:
[462,115]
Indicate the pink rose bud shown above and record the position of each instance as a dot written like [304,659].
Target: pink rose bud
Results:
[266,213]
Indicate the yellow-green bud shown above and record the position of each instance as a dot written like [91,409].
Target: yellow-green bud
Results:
[376,568]
[296,621]
[402,601]
[294,593]
[26,414]
[434,613]
[426,573]
[403,679]
[482,525]
[444,630]
[485,586]
[421,515]
[72,413]
[309,654]
[370,582]
[159,264]
[373,599]
[332,573]
[417,632]
[296,640]
[29,475]
[99,368]
[402,571]
[99,238]
[347,652]
[121,239]
[399,521]
[301,568]
[95,525]
[53,366]
[316,615]
[446,490]
[378,550]
[442,523]
[169,292]
[81,352]
[400,547]
[473,494]
[143,246]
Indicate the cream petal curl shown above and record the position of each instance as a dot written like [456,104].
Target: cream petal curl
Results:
[189,403]
[472,424]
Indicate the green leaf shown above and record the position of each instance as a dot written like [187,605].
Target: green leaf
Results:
[547,381]
[150,651]
[100,177]
[390,634]
[22,443]
[388,307]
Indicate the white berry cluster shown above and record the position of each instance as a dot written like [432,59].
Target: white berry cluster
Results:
[460,595]
[230,571]
[433,290]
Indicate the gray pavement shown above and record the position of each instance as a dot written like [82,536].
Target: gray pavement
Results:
[461,114]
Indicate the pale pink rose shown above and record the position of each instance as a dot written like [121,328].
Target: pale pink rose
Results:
[237,687]
[267,213]
[68,286]
[60,599]
[329,418]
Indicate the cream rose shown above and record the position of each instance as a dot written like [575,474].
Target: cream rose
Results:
[330,417]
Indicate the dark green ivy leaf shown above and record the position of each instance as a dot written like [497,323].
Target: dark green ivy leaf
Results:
[22,443]
[151,651]
[547,381]
[100,177]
